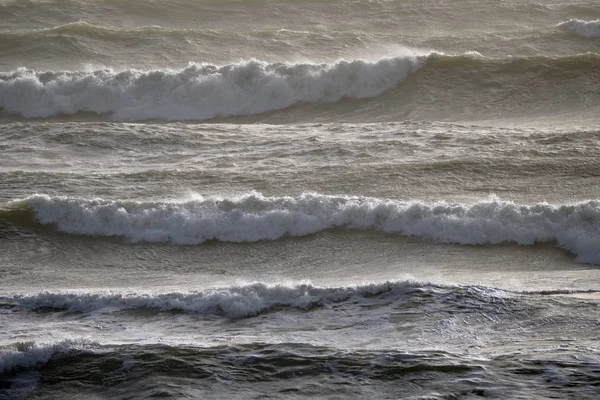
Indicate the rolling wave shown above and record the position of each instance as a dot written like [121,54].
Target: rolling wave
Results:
[30,354]
[253,299]
[198,92]
[433,83]
[253,217]
[588,29]
[232,302]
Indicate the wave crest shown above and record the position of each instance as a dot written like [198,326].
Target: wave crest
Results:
[200,91]
[589,29]
[29,354]
[254,217]
[248,300]
[233,302]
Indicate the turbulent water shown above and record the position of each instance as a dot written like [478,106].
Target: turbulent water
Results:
[299,199]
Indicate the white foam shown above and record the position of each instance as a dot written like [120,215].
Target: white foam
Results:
[253,217]
[233,302]
[199,91]
[589,29]
[26,355]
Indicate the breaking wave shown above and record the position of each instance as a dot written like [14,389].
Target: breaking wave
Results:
[415,84]
[253,217]
[233,302]
[200,91]
[589,29]
[253,299]
[29,354]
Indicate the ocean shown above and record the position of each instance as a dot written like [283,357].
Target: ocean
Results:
[299,199]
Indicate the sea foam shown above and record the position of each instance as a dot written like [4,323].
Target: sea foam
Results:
[589,29]
[253,217]
[200,91]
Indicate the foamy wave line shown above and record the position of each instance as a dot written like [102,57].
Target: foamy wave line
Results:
[589,29]
[255,298]
[200,91]
[30,354]
[233,302]
[253,217]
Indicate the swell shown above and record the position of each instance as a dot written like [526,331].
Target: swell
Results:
[82,28]
[252,353]
[400,16]
[17,217]
[100,44]
[407,86]
[288,370]
[84,40]
[253,217]
[113,34]
[155,370]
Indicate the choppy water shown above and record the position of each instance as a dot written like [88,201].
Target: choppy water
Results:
[299,199]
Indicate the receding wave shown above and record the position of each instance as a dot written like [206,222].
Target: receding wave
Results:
[589,29]
[198,92]
[416,86]
[253,217]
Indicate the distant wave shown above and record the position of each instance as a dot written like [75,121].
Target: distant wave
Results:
[82,27]
[72,32]
[200,91]
[589,29]
[253,217]
[108,32]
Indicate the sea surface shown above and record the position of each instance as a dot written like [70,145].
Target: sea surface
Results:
[307,199]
